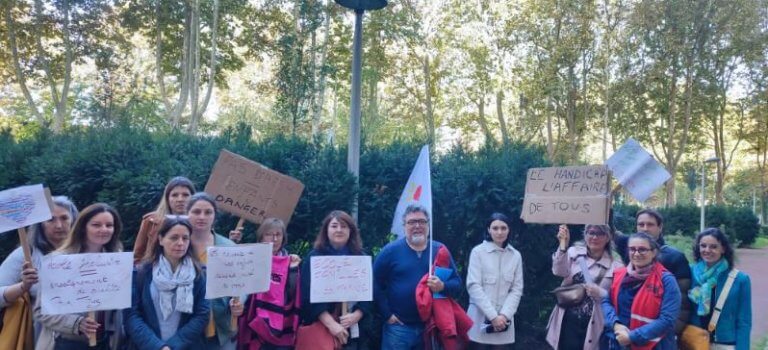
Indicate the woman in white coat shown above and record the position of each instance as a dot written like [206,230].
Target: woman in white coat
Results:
[495,285]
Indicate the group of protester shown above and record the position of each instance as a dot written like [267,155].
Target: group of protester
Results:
[651,298]
[415,282]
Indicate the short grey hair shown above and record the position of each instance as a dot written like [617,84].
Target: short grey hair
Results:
[415,208]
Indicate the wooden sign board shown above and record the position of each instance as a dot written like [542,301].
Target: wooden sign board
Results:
[249,190]
[567,195]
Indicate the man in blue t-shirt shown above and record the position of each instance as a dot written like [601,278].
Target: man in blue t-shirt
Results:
[651,222]
[397,271]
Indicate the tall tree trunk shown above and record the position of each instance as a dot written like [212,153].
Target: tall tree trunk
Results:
[159,76]
[500,115]
[320,99]
[483,122]
[186,69]
[429,111]
[194,87]
[211,70]
[20,79]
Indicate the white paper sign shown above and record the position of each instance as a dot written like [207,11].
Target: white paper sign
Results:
[340,278]
[23,206]
[73,283]
[637,170]
[238,270]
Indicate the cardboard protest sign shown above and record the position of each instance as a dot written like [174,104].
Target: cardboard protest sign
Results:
[637,170]
[567,195]
[73,283]
[252,191]
[340,278]
[23,206]
[238,270]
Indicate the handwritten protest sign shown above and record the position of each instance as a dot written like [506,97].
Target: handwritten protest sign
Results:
[340,278]
[238,270]
[636,170]
[252,191]
[72,283]
[567,195]
[23,206]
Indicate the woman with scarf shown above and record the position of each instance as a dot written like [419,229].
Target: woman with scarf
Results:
[579,326]
[201,210]
[97,230]
[712,267]
[175,197]
[495,285]
[272,317]
[169,309]
[641,308]
[18,277]
[338,236]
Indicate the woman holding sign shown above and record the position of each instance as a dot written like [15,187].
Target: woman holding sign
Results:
[174,201]
[338,236]
[495,285]
[577,323]
[201,209]
[97,230]
[18,277]
[272,317]
[168,310]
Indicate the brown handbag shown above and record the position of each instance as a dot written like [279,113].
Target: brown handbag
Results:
[574,294]
[697,338]
[316,337]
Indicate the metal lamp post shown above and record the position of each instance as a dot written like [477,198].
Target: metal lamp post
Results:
[353,152]
[704,188]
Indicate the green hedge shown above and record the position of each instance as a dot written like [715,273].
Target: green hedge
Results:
[739,223]
[128,168]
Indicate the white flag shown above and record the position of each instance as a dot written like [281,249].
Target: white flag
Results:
[418,190]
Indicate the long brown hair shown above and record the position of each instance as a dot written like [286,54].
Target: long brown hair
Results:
[77,237]
[354,243]
[164,207]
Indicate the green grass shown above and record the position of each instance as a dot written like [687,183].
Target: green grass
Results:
[760,242]
[761,344]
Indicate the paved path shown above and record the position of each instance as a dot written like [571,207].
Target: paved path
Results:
[755,263]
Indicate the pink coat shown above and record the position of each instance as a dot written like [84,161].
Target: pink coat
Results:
[566,265]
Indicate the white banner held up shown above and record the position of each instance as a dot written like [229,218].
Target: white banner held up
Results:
[340,278]
[23,206]
[418,190]
[637,170]
[74,283]
[238,270]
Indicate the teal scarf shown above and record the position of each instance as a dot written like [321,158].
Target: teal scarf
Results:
[704,279]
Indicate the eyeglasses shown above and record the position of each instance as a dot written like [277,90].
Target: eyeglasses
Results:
[596,233]
[417,222]
[641,250]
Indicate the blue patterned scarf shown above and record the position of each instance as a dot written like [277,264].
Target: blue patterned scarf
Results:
[704,279]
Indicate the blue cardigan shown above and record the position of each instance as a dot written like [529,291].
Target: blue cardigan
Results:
[143,327]
[735,321]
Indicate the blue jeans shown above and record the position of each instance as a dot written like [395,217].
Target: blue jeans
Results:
[401,337]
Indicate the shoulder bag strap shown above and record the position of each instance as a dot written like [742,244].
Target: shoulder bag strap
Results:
[585,271]
[721,300]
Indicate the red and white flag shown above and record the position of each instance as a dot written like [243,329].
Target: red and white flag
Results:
[418,190]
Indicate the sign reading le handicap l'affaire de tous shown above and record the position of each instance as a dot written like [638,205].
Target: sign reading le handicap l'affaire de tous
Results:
[567,195]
